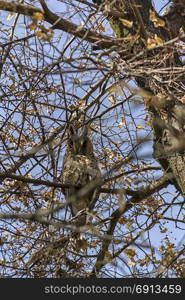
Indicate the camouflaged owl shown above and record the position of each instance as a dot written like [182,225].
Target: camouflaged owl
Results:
[79,169]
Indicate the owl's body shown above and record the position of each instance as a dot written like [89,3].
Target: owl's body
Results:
[79,169]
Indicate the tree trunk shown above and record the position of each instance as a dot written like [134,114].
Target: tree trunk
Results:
[168,119]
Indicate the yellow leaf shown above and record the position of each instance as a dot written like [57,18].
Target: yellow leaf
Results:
[131,263]
[126,23]
[158,22]
[153,16]
[130,252]
[181,30]
[10,16]
[39,34]
[122,123]
[76,81]
[32,26]
[153,42]
[158,40]
[150,43]
[80,101]
[37,16]
[139,127]
[112,99]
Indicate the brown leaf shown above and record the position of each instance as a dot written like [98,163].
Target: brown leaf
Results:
[158,22]
[126,23]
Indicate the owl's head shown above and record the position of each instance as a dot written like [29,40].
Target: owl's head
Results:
[79,144]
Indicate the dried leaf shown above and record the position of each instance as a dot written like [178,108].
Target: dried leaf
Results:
[10,16]
[158,40]
[112,99]
[37,16]
[122,220]
[32,26]
[100,28]
[153,42]
[139,127]
[126,23]
[131,263]
[130,252]
[158,22]
[122,123]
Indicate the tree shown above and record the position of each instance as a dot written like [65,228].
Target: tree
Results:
[80,66]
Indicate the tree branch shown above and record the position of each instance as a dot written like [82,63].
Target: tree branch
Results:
[28,10]
[140,196]
[100,40]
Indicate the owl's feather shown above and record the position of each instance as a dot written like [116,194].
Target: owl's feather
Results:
[79,168]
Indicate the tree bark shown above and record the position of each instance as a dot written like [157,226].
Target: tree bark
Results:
[168,119]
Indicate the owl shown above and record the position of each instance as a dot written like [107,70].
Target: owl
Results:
[79,168]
